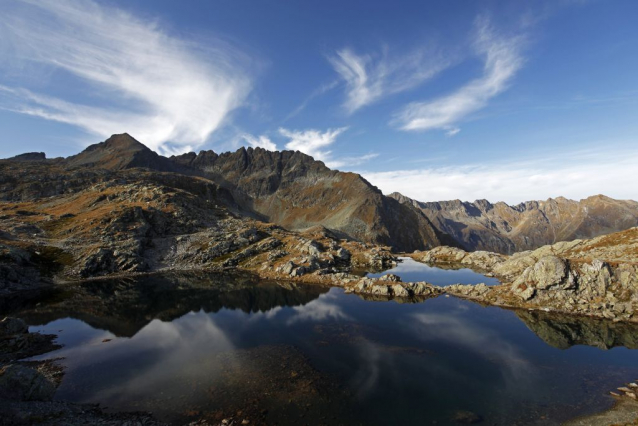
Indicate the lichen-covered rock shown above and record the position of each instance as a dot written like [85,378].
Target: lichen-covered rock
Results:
[400,291]
[390,277]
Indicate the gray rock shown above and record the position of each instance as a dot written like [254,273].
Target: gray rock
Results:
[390,277]
[399,291]
[20,383]
[10,326]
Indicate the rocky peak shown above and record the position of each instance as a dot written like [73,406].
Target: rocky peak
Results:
[503,228]
[29,156]
[120,151]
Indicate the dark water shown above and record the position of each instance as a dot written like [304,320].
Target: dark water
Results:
[286,354]
[411,271]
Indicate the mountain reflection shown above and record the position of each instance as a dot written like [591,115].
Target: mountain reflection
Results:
[125,306]
[564,331]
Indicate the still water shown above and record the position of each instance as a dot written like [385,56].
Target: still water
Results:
[412,271]
[185,348]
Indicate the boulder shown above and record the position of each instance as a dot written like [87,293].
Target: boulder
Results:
[390,277]
[11,326]
[20,383]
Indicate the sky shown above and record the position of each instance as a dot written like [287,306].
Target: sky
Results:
[439,100]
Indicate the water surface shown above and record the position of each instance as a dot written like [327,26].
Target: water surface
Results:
[411,271]
[293,354]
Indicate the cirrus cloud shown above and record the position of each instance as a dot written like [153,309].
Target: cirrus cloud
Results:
[368,78]
[503,59]
[168,92]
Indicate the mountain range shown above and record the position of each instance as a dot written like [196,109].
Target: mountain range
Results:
[293,190]
[507,229]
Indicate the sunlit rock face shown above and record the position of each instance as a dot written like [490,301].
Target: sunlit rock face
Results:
[502,228]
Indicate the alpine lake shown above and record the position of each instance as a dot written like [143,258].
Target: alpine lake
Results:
[191,346]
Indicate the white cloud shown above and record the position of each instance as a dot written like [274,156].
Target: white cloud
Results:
[318,310]
[502,60]
[572,175]
[452,131]
[368,78]
[169,93]
[312,142]
[260,141]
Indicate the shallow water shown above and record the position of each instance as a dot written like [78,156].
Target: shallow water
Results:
[293,354]
[411,271]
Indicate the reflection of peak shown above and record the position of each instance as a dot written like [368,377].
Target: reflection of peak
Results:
[563,332]
[125,306]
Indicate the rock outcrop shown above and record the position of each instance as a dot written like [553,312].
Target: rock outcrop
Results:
[597,277]
[507,229]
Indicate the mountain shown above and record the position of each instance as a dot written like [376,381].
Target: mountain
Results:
[502,228]
[287,188]
[120,152]
[293,190]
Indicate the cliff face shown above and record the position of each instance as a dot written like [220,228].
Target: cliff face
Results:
[502,228]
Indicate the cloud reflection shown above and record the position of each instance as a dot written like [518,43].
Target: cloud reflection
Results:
[318,310]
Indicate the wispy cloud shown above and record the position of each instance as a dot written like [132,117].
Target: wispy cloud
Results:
[369,78]
[502,60]
[259,141]
[312,142]
[168,92]
[316,93]
[582,175]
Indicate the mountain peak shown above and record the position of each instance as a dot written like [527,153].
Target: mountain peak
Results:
[29,156]
[124,142]
[120,151]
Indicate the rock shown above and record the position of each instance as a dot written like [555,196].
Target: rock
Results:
[547,272]
[343,254]
[399,291]
[381,290]
[312,248]
[298,271]
[20,383]
[524,291]
[11,326]
[288,267]
[390,277]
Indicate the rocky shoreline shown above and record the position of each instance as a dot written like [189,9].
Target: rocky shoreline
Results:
[597,277]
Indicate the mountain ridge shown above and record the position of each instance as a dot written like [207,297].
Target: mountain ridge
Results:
[504,228]
[282,187]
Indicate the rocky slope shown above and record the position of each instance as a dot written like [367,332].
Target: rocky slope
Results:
[287,188]
[293,190]
[502,228]
[62,222]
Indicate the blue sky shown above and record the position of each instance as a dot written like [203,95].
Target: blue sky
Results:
[438,100]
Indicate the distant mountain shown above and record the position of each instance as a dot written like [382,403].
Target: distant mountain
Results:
[287,188]
[502,228]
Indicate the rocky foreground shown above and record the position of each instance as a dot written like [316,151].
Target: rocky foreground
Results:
[119,210]
[596,277]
